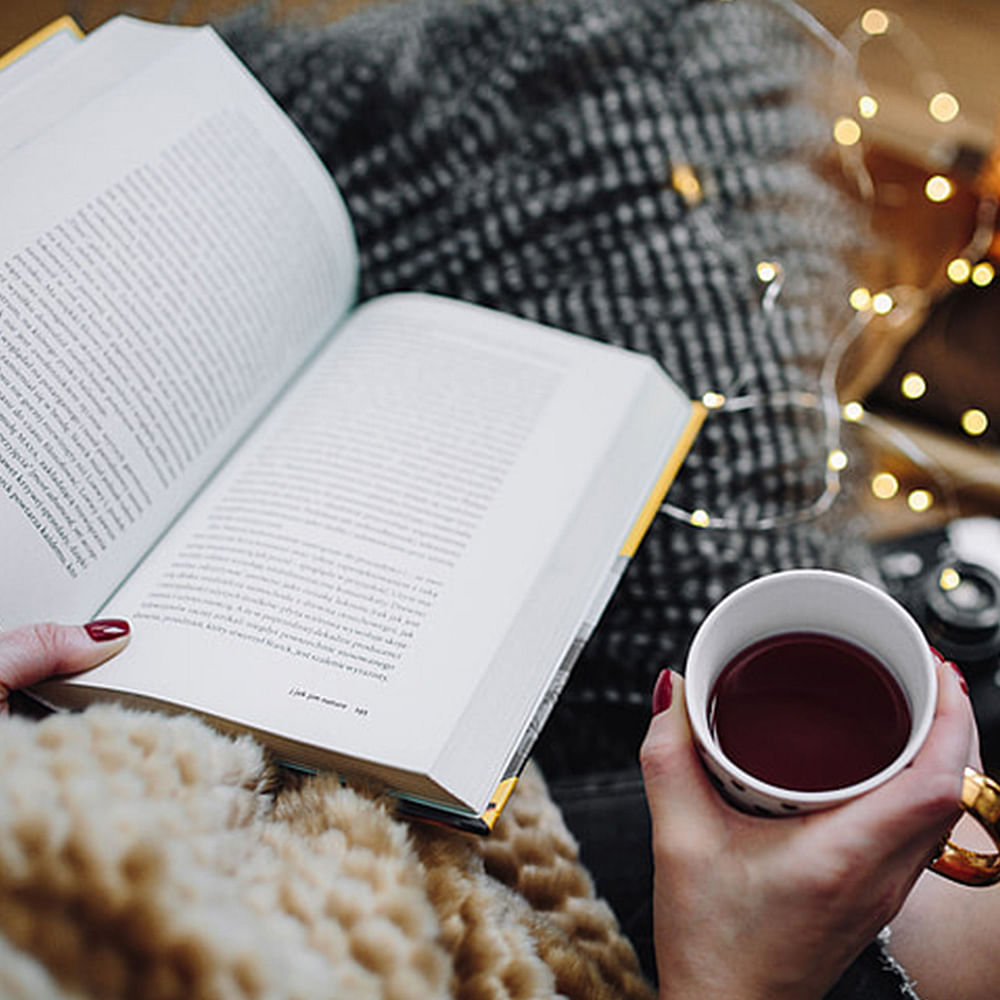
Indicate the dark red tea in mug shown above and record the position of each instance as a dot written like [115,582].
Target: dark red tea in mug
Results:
[809,712]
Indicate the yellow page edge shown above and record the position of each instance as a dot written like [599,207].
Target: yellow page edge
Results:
[497,802]
[652,505]
[64,23]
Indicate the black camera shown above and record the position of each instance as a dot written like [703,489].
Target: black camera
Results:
[949,580]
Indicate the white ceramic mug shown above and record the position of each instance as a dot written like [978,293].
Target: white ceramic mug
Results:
[843,606]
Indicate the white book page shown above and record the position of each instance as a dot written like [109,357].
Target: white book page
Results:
[79,74]
[348,578]
[48,46]
[170,256]
[636,450]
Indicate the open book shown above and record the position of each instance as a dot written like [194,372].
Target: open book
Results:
[374,537]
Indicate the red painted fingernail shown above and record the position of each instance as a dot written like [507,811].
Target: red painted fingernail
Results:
[663,692]
[106,629]
[961,677]
[939,655]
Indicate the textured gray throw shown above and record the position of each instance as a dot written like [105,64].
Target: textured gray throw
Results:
[518,153]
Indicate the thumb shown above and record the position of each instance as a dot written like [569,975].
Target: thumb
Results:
[681,797]
[33,653]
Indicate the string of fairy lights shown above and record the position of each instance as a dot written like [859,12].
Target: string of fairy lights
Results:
[971,266]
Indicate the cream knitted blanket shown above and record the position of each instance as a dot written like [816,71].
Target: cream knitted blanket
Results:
[147,856]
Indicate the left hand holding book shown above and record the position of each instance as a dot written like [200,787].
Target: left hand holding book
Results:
[31,654]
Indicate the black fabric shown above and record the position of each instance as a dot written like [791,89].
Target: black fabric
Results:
[518,154]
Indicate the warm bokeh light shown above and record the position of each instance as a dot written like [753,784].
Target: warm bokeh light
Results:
[975,422]
[983,273]
[938,188]
[882,303]
[949,578]
[885,485]
[959,270]
[867,106]
[861,299]
[875,21]
[846,131]
[913,385]
[943,106]
[852,132]
[767,270]
[685,182]
[837,460]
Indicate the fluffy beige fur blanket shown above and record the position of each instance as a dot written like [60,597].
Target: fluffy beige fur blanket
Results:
[147,856]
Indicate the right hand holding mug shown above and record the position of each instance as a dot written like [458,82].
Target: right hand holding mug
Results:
[807,688]
[749,907]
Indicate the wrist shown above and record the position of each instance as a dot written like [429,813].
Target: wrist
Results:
[735,985]
[704,990]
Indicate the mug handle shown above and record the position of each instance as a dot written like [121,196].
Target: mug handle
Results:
[981,800]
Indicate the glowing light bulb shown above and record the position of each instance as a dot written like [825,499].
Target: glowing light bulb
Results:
[837,460]
[867,106]
[882,303]
[713,400]
[975,422]
[860,299]
[913,385]
[768,270]
[699,518]
[938,188]
[943,106]
[846,131]
[853,411]
[959,270]
[885,485]
[919,500]
[685,182]
[875,21]
[983,273]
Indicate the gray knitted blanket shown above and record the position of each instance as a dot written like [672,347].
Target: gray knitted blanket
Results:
[519,153]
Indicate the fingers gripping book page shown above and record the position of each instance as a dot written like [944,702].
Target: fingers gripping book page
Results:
[350,576]
[154,298]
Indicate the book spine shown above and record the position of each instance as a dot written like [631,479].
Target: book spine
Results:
[484,823]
